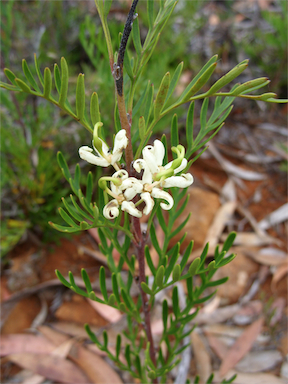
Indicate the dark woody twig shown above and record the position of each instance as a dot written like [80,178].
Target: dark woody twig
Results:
[118,76]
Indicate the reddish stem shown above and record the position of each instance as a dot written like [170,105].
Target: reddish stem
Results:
[139,244]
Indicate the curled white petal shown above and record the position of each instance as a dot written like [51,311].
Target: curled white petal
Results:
[122,175]
[182,166]
[146,197]
[150,159]
[120,143]
[132,187]
[159,194]
[129,206]
[159,151]
[182,181]
[111,210]
[86,154]
[140,164]
[105,148]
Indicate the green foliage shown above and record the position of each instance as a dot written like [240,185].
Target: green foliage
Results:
[149,105]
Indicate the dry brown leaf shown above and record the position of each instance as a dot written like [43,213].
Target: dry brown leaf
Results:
[72,329]
[51,367]
[268,256]
[19,343]
[275,217]
[111,314]
[217,345]
[280,272]
[34,379]
[94,366]
[242,345]
[259,361]
[252,239]
[203,362]
[251,378]
[223,215]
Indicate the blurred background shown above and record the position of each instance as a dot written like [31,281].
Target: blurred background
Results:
[240,181]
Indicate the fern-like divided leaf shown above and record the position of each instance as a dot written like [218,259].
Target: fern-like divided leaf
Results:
[45,86]
[78,218]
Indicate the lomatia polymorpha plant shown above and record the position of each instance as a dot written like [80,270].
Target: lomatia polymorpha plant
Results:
[138,180]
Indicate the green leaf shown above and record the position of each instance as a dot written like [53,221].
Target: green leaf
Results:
[86,280]
[217,282]
[165,314]
[229,241]
[127,355]
[64,82]
[126,300]
[172,261]
[200,79]
[149,260]
[62,279]
[226,79]
[174,81]
[57,77]
[92,336]
[29,76]
[107,6]
[203,114]
[150,10]
[118,345]
[159,276]
[102,281]
[39,74]
[154,240]
[67,218]
[137,363]
[61,228]
[161,95]
[80,97]
[89,187]
[194,266]
[141,127]
[71,210]
[136,37]
[105,339]
[174,133]
[63,165]
[84,214]
[47,83]
[10,87]
[186,255]
[115,288]
[175,302]
[127,65]
[227,260]
[94,109]
[148,105]
[248,86]
[10,76]
[111,300]
[23,86]
[189,284]
[176,272]
[146,289]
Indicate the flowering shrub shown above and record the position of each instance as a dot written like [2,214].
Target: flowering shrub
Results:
[139,186]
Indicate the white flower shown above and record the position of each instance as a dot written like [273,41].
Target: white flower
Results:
[111,210]
[159,194]
[129,206]
[146,197]
[182,181]
[104,158]
[131,187]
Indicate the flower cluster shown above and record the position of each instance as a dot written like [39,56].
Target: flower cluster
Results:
[124,189]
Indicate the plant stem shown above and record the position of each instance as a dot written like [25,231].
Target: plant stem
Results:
[139,243]
[118,77]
